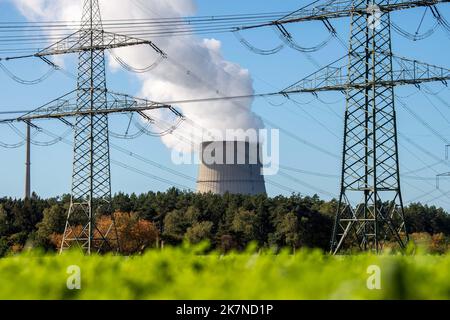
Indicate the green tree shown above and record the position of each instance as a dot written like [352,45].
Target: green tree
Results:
[177,222]
[199,231]
[53,222]
[288,228]
[122,202]
[329,208]
[4,221]
[245,225]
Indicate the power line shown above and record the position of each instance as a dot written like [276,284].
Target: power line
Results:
[134,169]
[422,121]
[164,20]
[307,185]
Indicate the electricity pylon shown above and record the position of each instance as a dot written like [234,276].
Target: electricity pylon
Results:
[91,166]
[90,104]
[370,165]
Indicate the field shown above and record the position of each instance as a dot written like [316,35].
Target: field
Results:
[186,273]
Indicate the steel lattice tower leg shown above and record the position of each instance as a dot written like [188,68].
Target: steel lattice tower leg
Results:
[370,167]
[91,183]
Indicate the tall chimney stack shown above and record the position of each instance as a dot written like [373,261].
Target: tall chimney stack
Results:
[28,165]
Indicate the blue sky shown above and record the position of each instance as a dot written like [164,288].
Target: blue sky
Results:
[316,121]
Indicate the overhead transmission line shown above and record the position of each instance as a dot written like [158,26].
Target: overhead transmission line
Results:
[131,168]
[423,150]
[266,16]
[191,179]
[191,25]
[163,27]
[303,141]
[416,36]
[266,52]
[25,81]
[209,100]
[135,27]
[247,96]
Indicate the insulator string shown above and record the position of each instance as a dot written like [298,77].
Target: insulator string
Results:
[252,48]
[287,38]
[51,142]
[165,132]
[12,146]
[129,68]
[415,36]
[24,81]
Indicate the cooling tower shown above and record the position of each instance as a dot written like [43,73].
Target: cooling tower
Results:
[230,166]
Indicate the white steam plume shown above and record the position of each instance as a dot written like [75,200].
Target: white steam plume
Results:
[195,67]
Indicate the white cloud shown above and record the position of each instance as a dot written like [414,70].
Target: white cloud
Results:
[195,67]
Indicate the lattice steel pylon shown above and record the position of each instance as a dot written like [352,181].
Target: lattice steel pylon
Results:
[91,183]
[90,103]
[370,165]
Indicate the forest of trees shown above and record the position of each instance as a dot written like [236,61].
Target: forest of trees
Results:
[227,222]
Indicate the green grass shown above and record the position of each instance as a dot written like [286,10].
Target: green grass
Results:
[183,273]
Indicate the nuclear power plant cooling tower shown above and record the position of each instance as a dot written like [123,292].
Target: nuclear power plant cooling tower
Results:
[230,166]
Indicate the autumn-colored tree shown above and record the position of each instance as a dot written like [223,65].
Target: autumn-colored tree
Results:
[422,240]
[439,243]
[236,220]
[135,234]
[227,243]
[55,240]
[56,237]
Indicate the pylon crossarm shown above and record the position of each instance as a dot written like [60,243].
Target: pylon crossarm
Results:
[114,40]
[331,76]
[66,107]
[415,71]
[116,99]
[79,41]
[342,9]
[49,109]
[334,77]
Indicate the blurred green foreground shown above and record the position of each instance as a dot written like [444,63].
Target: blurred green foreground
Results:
[185,273]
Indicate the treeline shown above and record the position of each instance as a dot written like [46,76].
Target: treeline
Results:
[228,222]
